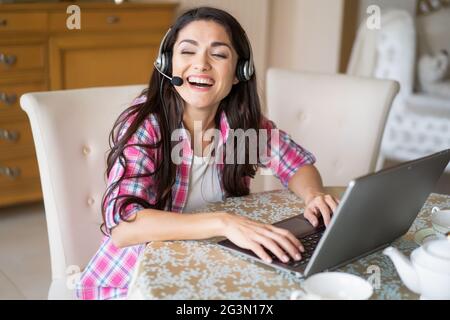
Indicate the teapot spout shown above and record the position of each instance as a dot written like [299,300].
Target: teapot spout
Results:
[404,268]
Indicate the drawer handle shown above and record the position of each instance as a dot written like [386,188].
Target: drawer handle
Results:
[10,172]
[8,99]
[9,135]
[112,19]
[8,60]
[3,22]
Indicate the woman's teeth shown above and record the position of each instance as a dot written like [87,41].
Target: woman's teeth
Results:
[200,81]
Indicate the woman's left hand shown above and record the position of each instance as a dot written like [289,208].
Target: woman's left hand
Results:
[320,204]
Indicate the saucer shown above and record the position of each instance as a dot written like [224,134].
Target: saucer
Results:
[424,235]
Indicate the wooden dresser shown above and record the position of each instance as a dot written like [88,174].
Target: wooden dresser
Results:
[116,45]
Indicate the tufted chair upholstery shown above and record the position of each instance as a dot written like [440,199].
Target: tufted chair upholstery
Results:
[70,130]
[339,118]
[418,124]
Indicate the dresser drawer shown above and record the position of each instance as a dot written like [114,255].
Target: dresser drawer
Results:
[19,181]
[22,57]
[123,20]
[16,140]
[9,100]
[20,22]
[17,171]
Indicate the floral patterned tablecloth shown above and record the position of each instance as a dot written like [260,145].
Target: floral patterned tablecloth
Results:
[203,270]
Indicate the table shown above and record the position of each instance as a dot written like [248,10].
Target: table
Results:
[203,270]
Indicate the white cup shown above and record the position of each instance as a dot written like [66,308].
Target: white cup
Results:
[440,219]
[334,286]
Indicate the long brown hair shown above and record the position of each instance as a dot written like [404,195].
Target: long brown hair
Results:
[241,106]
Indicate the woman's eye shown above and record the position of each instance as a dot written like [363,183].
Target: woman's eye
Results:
[218,55]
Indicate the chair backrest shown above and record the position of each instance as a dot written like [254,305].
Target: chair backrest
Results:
[388,52]
[396,50]
[339,118]
[71,130]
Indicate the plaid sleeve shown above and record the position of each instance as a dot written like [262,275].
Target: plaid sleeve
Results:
[283,155]
[138,161]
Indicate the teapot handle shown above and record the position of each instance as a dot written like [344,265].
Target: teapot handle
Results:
[435,209]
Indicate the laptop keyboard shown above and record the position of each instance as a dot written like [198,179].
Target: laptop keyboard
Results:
[309,243]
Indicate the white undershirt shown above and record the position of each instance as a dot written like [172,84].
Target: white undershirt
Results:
[204,184]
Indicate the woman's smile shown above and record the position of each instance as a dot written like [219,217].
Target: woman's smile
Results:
[200,82]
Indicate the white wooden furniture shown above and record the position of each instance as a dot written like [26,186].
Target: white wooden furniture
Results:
[70,130]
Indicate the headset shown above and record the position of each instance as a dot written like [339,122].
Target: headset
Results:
[244,70]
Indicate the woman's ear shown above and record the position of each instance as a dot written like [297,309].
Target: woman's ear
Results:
[235,80]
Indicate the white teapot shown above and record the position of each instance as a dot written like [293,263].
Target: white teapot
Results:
[428,271]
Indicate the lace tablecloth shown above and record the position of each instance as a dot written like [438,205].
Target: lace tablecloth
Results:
[203,270]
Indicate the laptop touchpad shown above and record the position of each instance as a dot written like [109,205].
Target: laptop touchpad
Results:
[299,226]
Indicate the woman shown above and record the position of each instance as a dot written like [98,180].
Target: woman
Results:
[213,86]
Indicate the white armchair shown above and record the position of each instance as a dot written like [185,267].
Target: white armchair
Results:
[70,130]
[339,118]
[418,124]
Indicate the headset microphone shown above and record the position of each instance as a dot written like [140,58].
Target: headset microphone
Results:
[176,81]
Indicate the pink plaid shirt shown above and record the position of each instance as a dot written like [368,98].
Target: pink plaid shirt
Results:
[108,274]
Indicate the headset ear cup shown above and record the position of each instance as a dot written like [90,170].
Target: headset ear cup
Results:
[239,70]
[251,70]
[158,62]
[168,57]
[164,63]
[245,71]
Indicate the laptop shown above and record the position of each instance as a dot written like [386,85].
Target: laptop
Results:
[375,210]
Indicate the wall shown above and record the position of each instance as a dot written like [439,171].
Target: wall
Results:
[433,31]
[305,34]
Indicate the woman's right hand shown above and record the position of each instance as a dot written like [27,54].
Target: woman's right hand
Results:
[256,236]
